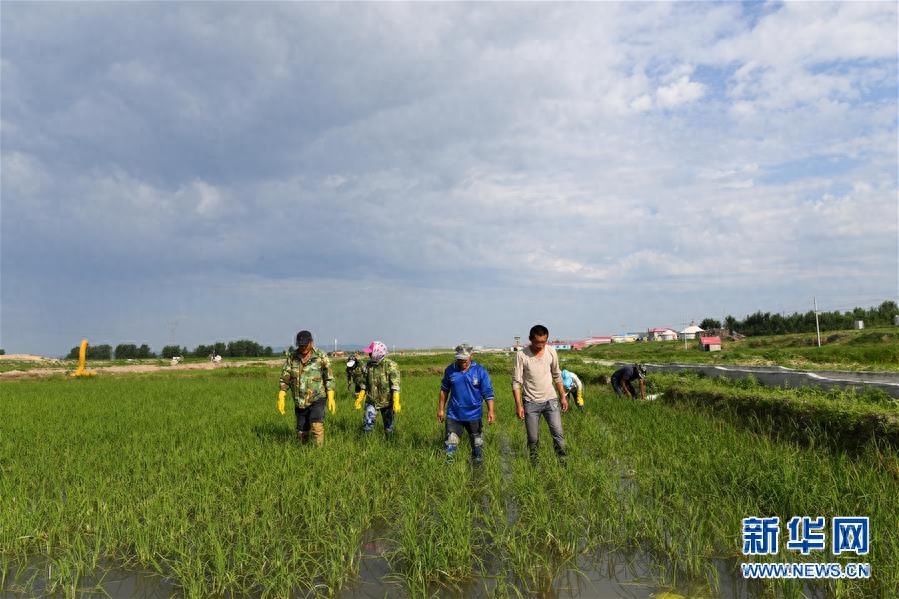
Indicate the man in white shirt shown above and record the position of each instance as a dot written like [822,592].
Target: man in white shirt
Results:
[536,381]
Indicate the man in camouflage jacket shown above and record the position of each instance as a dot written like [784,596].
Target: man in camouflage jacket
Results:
[380,389]
[307,376]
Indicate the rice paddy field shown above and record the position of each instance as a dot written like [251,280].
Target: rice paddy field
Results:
[190,484]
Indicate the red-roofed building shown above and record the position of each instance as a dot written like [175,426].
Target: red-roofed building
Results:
[710,343]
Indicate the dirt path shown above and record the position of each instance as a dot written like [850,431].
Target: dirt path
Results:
[59,369]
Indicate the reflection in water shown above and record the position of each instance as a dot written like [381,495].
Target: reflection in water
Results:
[110,581]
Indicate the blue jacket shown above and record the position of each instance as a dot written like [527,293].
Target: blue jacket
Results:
[466,391]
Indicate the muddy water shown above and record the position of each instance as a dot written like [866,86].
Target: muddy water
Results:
[601,576]
[778,376]
[613,575]
[110,582]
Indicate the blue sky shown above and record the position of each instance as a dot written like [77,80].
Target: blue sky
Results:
[431,173]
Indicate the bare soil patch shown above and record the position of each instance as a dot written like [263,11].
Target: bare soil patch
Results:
[129,368]
[26,358]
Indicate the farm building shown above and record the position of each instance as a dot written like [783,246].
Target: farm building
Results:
[710,343]
[690,332]
[624,338]
[661,334]
[597,341]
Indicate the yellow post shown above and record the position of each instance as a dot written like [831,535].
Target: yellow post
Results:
[82,361]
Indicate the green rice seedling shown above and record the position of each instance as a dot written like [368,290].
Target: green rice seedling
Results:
[195,478]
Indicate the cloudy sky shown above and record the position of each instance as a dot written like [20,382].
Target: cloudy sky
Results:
[433,173]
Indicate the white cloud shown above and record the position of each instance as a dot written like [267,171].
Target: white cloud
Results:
[680,92]
[598,146]
[642,104]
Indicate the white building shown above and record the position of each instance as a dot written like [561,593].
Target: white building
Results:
[690,332]
[661,334]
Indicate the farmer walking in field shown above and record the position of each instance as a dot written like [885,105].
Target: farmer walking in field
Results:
[380,389]
[623,381]
[463,391]
[573,387]
[536,380]
[308,377]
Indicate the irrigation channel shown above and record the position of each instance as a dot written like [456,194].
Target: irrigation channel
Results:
[779,376]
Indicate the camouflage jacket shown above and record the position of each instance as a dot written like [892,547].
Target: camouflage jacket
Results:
[379,381]
[307,382]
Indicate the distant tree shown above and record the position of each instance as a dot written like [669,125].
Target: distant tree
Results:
[170,351]
[144,351]
[73,353]
[98,352]
[233,349]
[244,348]
[202,351]
[3,352]
[776,324]
[710,323]
[125,351]
[730,323]
[885,313]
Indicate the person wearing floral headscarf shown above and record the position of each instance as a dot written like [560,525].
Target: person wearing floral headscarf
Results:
[380,389]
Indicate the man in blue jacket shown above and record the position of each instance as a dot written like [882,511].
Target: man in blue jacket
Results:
[465,387]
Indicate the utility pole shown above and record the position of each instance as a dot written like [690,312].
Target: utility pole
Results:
[817,328]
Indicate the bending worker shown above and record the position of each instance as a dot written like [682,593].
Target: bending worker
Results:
[380,389]
[574,388]
[466,385]
[307,375]
[622,381]
[355,371]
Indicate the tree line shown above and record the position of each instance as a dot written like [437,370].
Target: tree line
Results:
[242,348]
[766,323]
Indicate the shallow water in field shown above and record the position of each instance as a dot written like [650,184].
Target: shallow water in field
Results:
[110,582]
[608,576]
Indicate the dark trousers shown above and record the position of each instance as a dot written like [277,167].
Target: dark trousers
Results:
[314,412]
[619,385]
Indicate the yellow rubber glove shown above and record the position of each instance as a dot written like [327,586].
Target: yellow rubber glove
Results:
[282,394]
[332,407]
[396,402]
[580,399]
[360,397]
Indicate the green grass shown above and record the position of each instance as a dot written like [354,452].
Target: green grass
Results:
[194,476]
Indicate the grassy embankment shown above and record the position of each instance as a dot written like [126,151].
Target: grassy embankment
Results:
[193,475]
[868,349]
